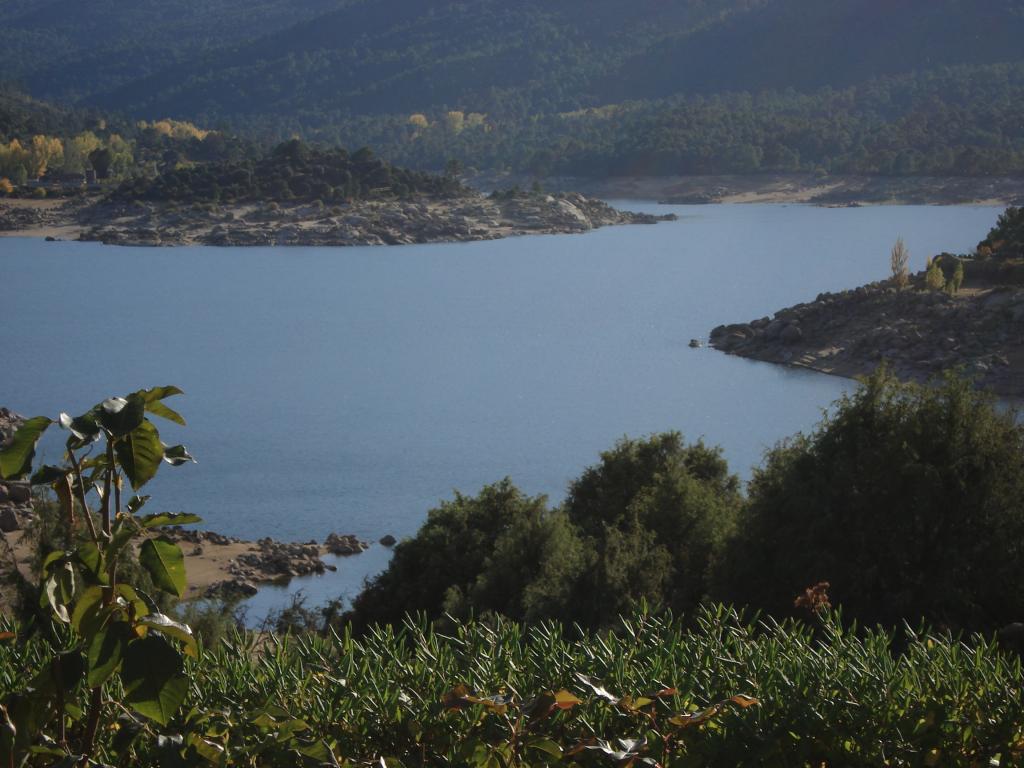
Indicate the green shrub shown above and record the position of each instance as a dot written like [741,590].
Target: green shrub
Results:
[654,515]
[934,280]
[499,551]
[909,500]
[645,524]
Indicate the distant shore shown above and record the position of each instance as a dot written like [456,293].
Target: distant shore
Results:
[790,188]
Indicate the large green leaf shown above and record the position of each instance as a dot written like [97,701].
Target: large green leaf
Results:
[165,563]
[164,412]
[121,415]
[134,602]
[153,398]
[154,685]
[155,394]
[89,612]
[140,453]
[106,650]
[171,628]
[16,458]
[169,518]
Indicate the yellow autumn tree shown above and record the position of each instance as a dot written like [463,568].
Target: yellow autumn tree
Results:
[419,121]
[14,161]
[456,121]
[44,151]
[6,188]
[175,129]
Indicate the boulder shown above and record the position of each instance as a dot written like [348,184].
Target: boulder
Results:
[19,494]
[773,329]
[388,541]
[231,589]
[9,520]
[348,544]
[791,334]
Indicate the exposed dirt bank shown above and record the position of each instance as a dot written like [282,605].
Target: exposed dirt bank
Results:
[787,188]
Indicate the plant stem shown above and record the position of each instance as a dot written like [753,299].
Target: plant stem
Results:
[96,695]
[92,724]
[81,498]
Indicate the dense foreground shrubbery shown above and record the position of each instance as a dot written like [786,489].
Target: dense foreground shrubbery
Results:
[495,695]
[908,500]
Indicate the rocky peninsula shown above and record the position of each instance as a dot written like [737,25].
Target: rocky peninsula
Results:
[918,333]
[372,222]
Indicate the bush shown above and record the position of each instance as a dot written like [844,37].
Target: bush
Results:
[645,524]
[654,515]
[909,500]
[500,551]
[934,280]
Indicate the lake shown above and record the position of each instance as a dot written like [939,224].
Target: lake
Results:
[352,389]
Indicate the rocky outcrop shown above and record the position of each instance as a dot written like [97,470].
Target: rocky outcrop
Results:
[474,217]
[266,560]
[13,218]
[347,544]
[274,560]
[198,538]
[918,333]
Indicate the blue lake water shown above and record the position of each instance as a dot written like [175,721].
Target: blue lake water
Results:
[352,389]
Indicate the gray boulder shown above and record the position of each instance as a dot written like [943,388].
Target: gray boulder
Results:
[791,334]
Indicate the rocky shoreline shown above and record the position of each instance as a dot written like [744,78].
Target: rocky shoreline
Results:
[918,333]
[217,566]
[469,218]
[225,567]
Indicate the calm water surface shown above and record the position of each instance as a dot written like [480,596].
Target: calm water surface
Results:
[351,389]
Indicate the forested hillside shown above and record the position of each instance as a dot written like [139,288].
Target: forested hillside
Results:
[592,87]
[71,50]
[526,57]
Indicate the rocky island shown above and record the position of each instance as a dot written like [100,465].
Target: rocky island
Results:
[297,195]
[471,217]
[920,328]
